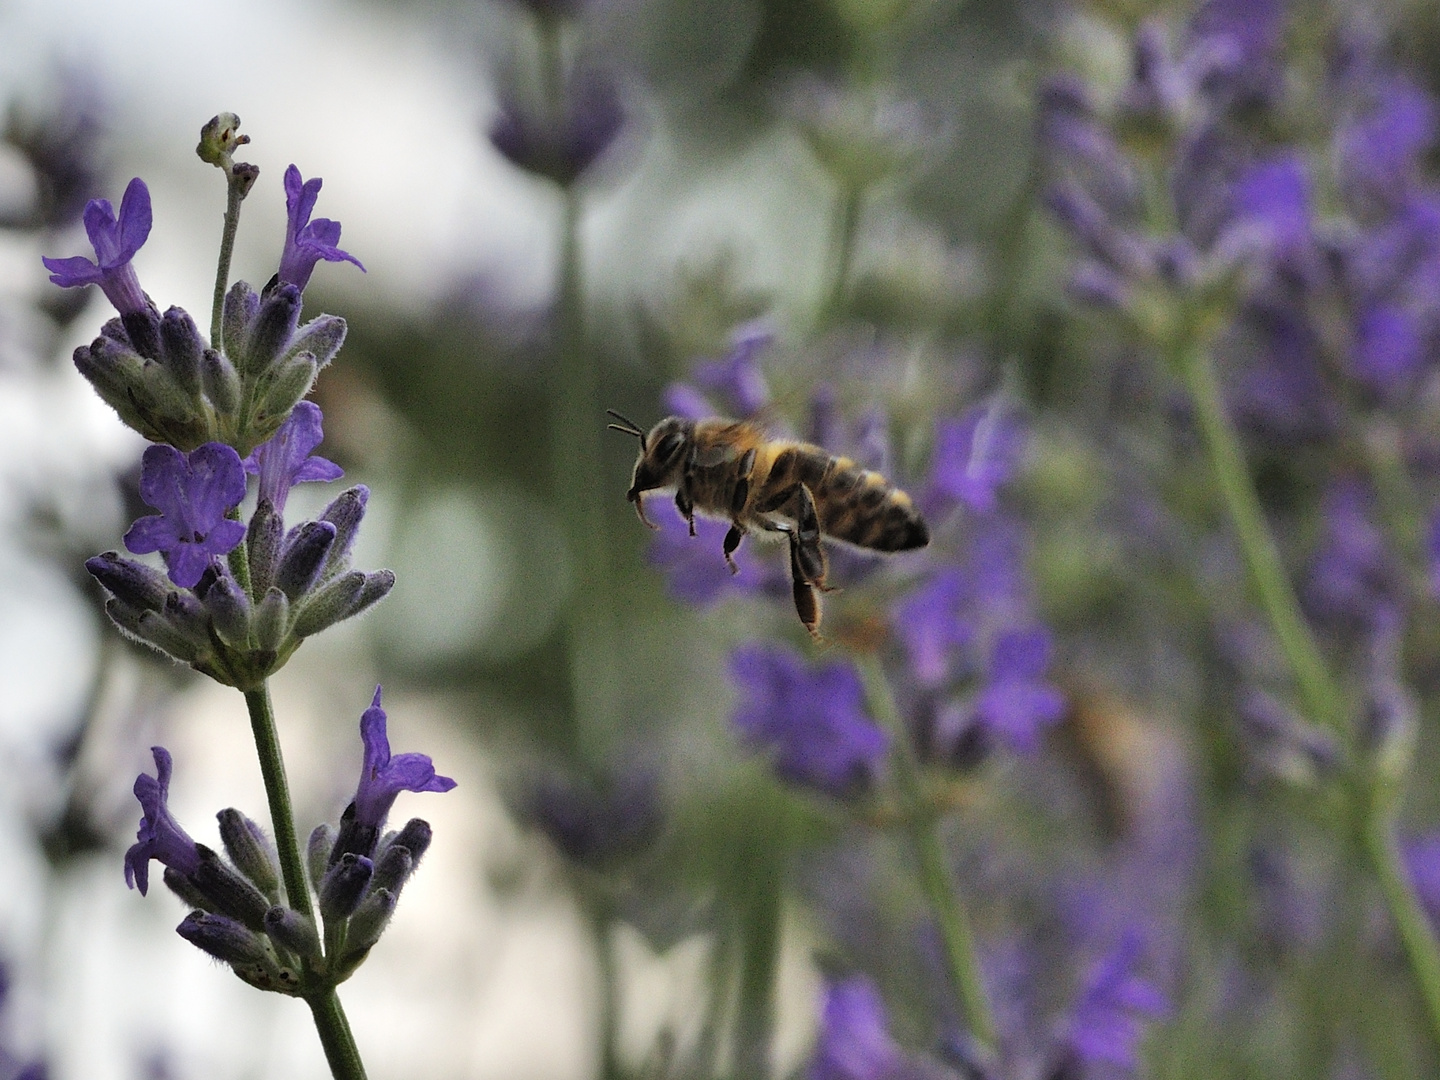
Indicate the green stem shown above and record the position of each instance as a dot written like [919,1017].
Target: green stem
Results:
[1416,932]
[1321,695]
[759,914]
[233,197]
[330,1022]
[601,921]
[577,416]
[335,1036]
[936,880]
[842,250]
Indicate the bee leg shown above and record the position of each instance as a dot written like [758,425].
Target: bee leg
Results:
[732,541]
[807,600]
[810,555]
[686,506]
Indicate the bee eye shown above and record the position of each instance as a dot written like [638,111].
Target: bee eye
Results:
[669,446]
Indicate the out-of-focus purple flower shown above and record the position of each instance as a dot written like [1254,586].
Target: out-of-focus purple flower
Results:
[160,835]
[974,457]
[306,241]
[695,565]
[811,720]
[932,626]
[1234,45]
[1283,395]
[1352,575]
[1283,742]
[1108,1020]
[854,1042]
[1389,348]
[593,824]
[1380,148]
[732,386]
[1422,861]
[193,494]
[286,459]
[62,141]
[1271,208]
[1017,703]
[115,240]
[383,777]
[562,148]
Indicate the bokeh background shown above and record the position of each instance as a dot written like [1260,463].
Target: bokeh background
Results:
[709,213]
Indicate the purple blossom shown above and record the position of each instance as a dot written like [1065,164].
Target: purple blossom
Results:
[193,494]
[932,626]
[975,456]
[1352,575]
[160,835]
[854,1042]
[1379,149]
[811,720]
[1422,861]
[383,777]
[562,148]
[306,241]
[1017,702]
[593,824]
[1389,348]
[695,565]
[286,459]
[733,385]
[115,240]
[1108,1020]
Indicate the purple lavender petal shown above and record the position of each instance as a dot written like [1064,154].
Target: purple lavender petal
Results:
[974,457]
[855,1041]
[811,720]
[382,777]
[160,835]
[115,242]
[307,242]
[1017,704]
[286,459]
[1108,1020]
[932,628]
[193,494]
[1389,348]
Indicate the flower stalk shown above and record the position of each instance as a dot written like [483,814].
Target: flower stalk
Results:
[935,878]
[1321,694]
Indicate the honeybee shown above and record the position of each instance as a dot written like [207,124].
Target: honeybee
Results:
[732,470]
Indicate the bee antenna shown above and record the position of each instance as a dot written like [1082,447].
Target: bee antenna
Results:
[626,427]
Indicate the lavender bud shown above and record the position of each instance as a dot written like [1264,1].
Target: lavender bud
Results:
[414,838]
[232,894]
[354,838]
[317,852]
[180,885]
[345,513]
[182,349]
[293,931]
[291,381]
[271,619]
[229,610]
[344,886]
[330,605]
[393,869]
[250,850]
[270,332]
[142,328]
[241,306]
[136,584]
[321,337]
[262,540]
[225,939]
[219,139]
[221,381]
[378,584]
[303,559]
[151,628]
[369,922]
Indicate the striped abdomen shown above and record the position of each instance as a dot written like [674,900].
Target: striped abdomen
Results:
[859,506]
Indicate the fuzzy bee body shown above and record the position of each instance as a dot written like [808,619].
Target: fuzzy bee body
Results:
[732,470]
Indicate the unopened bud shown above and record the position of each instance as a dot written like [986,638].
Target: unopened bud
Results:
[232,894]
[221,382]
[229,610]
[271,619]
[345,512]
[321,337]
[262,541]
[274,324]
[180,885]
[317,852]
[293,931]
[303,558]
[182,349]
[250,850]
[369,921]
[138,585]
[344,886]
[330,605]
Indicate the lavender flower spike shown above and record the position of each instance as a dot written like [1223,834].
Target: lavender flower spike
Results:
[160,835]
[116,240]
[1108,1020]
[854,1043]
[306,241]
[383,777]
[286,460]
[812,720]
[193,494]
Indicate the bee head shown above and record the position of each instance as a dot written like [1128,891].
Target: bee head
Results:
[662,456]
